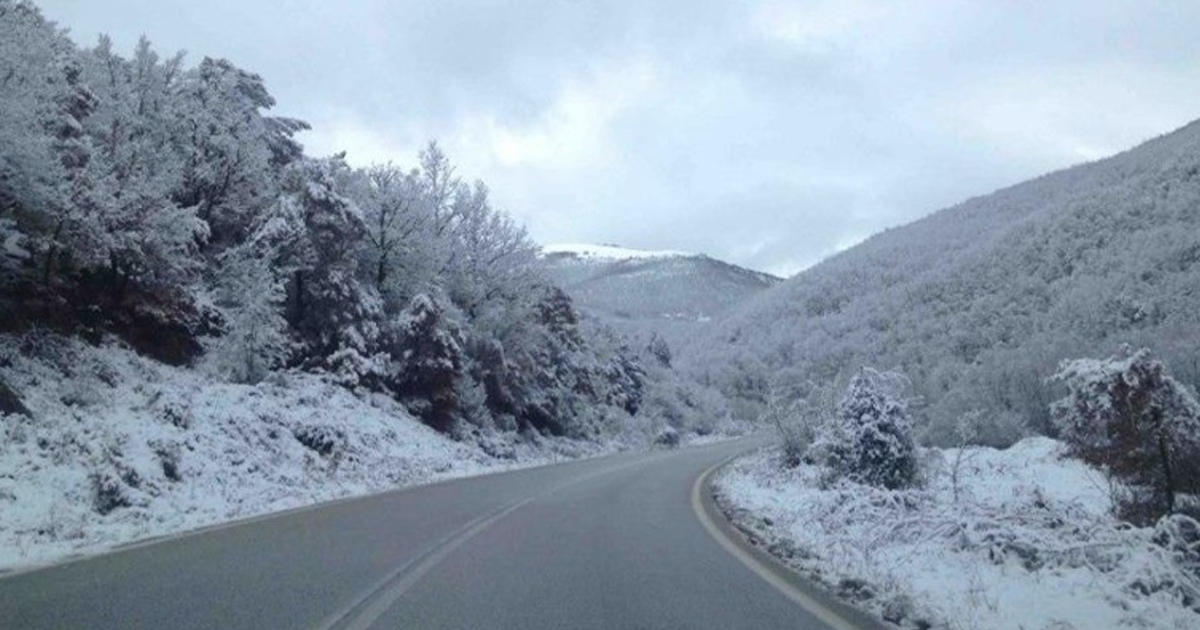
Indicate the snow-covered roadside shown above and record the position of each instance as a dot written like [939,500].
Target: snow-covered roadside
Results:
[121,448]
[1029,543]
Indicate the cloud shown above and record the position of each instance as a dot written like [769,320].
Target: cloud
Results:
[816,23]
[767,132]
[573,131]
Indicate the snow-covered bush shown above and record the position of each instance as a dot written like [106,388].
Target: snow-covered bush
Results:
[667,437]
[869,439]
[795,435]
[1127,416]
[1024,539]
[796,418]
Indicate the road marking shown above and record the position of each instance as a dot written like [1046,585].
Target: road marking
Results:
[819,610]
[378,599]
[364,611]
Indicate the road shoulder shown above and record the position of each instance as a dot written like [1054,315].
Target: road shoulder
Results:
[748,548]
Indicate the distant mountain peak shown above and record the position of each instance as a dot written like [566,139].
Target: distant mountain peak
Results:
[641,292]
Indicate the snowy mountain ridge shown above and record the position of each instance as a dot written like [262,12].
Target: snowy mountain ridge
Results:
[666,293]
[587,251]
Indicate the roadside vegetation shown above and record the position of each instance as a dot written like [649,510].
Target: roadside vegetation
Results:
[1095,529]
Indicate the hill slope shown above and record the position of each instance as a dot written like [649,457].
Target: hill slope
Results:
[978,302]
[642,292]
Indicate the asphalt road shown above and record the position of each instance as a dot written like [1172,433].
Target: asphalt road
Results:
[607,543]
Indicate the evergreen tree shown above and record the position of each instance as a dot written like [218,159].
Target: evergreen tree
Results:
[869,439]
[255,339]
[430,362]
[314,232]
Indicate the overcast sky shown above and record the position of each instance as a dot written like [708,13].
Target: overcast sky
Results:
[768,133]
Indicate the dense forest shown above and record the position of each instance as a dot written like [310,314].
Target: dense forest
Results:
[159,203]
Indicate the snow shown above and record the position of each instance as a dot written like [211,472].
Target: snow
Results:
[608,252]
[10,241]
[1028,544]
[184,450]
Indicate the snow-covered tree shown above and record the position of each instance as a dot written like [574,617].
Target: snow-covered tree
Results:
[43,147]
[398,254]
[429,361]
[255,339]
[142,238]
[30,49]
[230,149]
[869,439]
[495,261]
[314,232]
[71,212]
[659,349]
[1126,415]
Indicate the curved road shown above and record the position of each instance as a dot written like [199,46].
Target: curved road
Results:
[608,543]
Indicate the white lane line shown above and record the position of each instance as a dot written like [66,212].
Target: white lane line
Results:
[375,601]
[827,616]
[365,611]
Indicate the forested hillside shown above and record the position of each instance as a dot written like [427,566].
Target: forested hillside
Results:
[158,202]
[666,294]
[979,302]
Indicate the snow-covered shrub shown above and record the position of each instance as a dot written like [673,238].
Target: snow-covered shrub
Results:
[1127,416]
[797,420]
[1026,540]
[659,349]
[869,439]
[668,437]
[1179,535]
[795,436]
[170,456]
[108,493]
[321,439]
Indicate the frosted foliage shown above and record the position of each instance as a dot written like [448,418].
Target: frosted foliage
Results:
[1127,415]
[1018,539]
[255,339]
[869,438]
[29,83]
[430,363]
[138,230]
[228,167]
[311,231]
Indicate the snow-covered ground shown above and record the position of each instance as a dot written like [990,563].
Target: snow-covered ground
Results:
[607,252]
[121,448]
[1029,543]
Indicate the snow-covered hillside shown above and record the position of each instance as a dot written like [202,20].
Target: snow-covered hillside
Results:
[978,303]
[642,292]
[118,447]
[1024,540]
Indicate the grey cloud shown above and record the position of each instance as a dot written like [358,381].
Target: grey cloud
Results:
[769,150]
